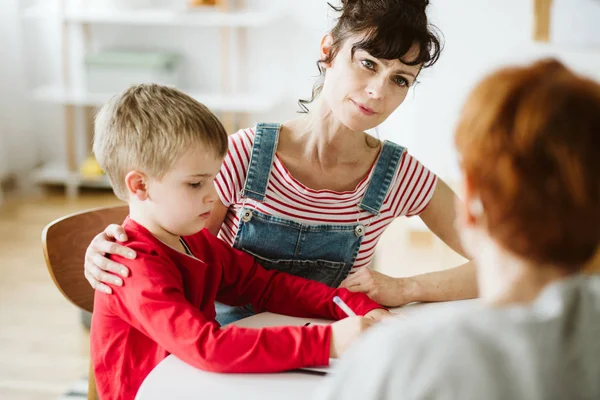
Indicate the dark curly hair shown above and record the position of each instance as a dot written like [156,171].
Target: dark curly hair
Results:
[390,28]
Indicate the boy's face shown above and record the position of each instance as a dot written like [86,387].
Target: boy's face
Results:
[182,200]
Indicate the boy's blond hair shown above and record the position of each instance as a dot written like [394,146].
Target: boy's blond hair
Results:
[147,127]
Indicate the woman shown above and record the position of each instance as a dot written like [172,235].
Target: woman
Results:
[313,196]
[528,141]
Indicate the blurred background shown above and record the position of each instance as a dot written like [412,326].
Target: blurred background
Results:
[248,61]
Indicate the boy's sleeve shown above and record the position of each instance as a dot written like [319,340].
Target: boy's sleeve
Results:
[245,281]
[152,301]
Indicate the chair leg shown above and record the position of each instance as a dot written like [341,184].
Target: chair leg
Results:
[92,394]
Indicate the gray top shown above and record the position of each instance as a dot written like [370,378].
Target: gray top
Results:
[547,350]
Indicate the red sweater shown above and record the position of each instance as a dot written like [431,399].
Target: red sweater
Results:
[166,306]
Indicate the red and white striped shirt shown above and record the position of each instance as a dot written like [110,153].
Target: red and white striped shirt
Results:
[287,198]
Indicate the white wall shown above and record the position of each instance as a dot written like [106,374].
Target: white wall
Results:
[480,35]
[18,150]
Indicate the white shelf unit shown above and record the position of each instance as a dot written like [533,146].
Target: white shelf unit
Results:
[57,173]
[206,17]
[74,17]
[234,102]
[157,17]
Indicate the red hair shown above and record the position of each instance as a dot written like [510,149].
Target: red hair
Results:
[529,138]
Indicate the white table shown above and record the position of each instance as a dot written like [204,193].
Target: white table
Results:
[174,379]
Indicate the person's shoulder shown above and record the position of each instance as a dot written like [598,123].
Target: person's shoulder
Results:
[246,136]
[435,340]
[392,144]
[507,331]
[401,358]
[440,353]
[149,251]
[243,136]
[408,159]
[140,239]
[240,146]
[408,163]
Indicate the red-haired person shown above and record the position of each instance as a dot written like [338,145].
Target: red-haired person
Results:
[528,142]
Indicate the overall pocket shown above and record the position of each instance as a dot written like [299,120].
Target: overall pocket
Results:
[328,272]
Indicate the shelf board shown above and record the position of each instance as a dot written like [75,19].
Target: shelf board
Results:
[56,173]
[37,12]
[587,49]
[241,102]
[206,16]
[168,17]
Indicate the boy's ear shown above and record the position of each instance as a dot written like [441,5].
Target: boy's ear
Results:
[326,43]
[472,209]
[137,184]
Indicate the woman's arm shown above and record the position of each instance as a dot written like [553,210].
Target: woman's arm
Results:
[440,216]
[456,283]
[452,284]
[217,216]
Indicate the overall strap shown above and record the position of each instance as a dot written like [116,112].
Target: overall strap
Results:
[383,175]
[261,160]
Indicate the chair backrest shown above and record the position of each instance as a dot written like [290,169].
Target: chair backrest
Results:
[65,242]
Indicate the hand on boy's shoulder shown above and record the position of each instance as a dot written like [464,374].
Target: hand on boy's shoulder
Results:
[152,259]
[141,248]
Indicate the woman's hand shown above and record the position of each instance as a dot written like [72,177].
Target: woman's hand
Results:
[381,288]
[98,268]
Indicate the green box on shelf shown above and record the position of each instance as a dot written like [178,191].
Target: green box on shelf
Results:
[114,70]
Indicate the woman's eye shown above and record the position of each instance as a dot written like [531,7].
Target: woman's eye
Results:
[195,185]
[368,64]
[400,81]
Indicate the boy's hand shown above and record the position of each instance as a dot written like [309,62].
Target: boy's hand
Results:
[379,314]
[345,332]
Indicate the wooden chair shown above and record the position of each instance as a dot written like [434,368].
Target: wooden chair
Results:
[65,242]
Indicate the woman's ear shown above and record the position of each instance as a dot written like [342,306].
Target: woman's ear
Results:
[326,44]
[137,185]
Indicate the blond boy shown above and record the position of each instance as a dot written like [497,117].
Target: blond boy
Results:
[161,150]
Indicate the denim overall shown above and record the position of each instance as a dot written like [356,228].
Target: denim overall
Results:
[321,252]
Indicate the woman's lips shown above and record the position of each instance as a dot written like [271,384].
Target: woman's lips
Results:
[364,109]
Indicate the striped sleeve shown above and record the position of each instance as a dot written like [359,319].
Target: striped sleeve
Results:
[413,189]
[230,180]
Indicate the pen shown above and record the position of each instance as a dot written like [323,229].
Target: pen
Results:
[347,310]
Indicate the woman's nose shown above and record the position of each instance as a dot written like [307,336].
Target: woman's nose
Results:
[375,88]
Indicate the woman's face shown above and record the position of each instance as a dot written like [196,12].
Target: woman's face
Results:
[361,90]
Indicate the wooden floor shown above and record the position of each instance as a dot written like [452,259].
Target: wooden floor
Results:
[43,347]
